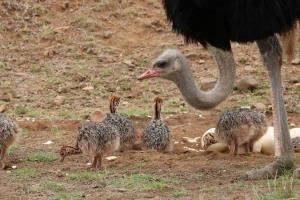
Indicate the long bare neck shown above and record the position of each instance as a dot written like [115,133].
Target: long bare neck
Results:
[208,99]
[157,109]
[113,104]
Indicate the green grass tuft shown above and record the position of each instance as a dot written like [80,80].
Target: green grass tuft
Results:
[140,182]
[179,193]
[87,175]
[67,196]
[135,112]
[23,173]
[41,156]
[54,186]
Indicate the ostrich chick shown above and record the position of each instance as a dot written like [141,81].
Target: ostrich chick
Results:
[208,138]
[121,123]
[239,127]
[94,139]
[9,132]
[157,134]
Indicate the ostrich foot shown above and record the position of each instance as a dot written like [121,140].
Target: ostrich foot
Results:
[296,173]
[277,168]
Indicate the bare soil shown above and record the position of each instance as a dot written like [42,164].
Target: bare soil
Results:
[61,60]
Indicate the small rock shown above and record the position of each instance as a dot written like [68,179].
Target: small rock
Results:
[107,34]
[294,80]
[155,92]
[296,61]
[59,100]
[65,5]
[297,173]
[110,158]
[48,142]
[96,116]
[62,90]
[50,53]
[128,62]
[88,88]
[260,107]
[3,108]
[5,97]
[91,51]
[247,83]
[292,125]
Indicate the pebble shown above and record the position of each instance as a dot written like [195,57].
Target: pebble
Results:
[59,100]
[247,83]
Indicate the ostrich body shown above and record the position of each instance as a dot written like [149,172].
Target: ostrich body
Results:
[121,123]
[8,134]
[214,24]
[240,127]
[157,134]
[94,139]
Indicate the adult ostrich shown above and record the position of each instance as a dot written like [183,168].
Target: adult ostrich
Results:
[214,23]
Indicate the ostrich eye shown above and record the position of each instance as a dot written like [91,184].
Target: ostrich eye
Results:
[161,63]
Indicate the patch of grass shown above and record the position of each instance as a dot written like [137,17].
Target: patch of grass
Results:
[47,32]
[41,156]
[211,189]
[243,61]
[179,193]
[66,114]
[54,186]
[248,99]
[106,72]
[11,149]
[281,188]
[102,5]
[67,196]
[4,65]
[55,131]
[135,112]
[87,175]
[141,182]
[27,111]
[35,69]
[23,173]
[84,22]
[138,165]
[59,191]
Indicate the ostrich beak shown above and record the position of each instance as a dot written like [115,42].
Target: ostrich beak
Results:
[150,73]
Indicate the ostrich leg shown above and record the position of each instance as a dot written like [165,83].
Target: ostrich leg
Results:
[271,53]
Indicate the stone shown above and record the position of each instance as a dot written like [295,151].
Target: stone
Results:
[88,88]
[260,107]
[59,100]
[3,108]
[247,83]
[296,61]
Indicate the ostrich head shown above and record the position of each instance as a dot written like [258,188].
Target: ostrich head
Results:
[167,65]
[173,66]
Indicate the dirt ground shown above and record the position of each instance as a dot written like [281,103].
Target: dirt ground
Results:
[61,60]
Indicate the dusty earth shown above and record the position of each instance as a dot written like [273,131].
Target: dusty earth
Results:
[61,60]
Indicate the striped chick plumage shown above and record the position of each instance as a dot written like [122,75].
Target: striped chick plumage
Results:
[240,126]
[9,132]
